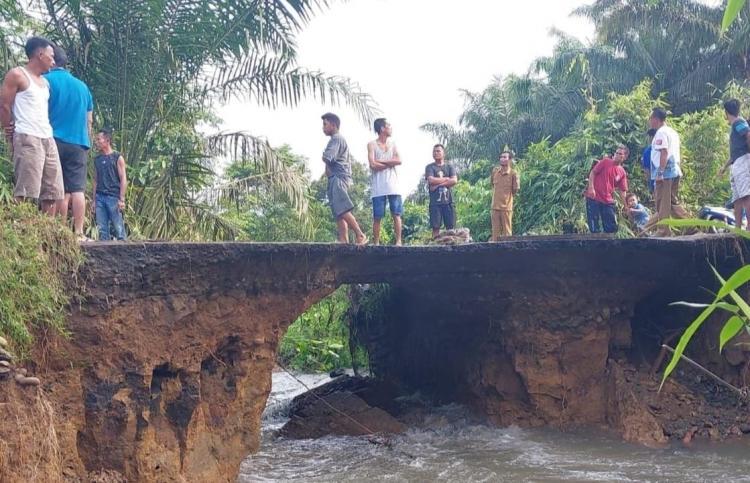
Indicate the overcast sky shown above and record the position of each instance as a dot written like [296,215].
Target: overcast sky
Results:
[413,57]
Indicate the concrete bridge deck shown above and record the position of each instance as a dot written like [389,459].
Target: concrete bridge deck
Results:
[124,270]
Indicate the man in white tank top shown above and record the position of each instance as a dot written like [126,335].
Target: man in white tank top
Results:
[384,159]
[25,119]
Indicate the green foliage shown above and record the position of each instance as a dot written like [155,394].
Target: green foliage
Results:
[704,148]
[553,176]
[731,13]
[416,221]
[319,339]
[727,299]
[38,255]
[472,203]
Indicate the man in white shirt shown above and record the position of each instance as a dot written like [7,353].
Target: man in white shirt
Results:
[25,119]
[384,158]
[665,171]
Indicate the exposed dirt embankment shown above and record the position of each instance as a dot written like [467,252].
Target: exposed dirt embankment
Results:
[556,338]
[169,365]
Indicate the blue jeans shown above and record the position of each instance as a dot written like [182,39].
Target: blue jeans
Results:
[597,212]
[394,202]
[107,213]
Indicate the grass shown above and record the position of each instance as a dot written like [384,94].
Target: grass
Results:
[39,254]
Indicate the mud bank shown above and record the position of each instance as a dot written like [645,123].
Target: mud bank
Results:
[169,365]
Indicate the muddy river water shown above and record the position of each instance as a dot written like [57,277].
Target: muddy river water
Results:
[454,447]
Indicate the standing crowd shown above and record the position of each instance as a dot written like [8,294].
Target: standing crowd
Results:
[607,180]
[47,118]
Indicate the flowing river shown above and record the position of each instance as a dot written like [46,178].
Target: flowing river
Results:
[453,447]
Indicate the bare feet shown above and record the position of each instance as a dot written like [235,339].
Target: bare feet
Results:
[362,240]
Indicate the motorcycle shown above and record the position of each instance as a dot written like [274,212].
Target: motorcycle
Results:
[720,213]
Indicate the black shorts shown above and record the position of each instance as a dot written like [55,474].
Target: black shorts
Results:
[442,214]
[73,159]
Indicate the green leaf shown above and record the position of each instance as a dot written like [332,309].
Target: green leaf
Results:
[738,279]
[733,326]
[731,13]
[685,339]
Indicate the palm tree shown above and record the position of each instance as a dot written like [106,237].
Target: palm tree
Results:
[157,70]
[676,43]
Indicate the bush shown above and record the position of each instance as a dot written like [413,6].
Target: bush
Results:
[39,255]
[319,339]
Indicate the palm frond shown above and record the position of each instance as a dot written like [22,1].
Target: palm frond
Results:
[279,178]
[272,81]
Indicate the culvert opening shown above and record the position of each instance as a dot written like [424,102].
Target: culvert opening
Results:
[326,338]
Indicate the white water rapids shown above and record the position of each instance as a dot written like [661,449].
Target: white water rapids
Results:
[454,447]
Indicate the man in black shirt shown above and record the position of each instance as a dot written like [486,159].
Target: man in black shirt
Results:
[739,160]
[110,186]
[441,177]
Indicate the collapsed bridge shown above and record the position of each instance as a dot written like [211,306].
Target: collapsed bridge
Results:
[169,365]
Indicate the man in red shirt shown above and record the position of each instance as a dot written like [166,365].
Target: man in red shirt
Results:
[604,178]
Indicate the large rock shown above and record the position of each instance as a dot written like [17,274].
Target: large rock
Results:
[343,406]
[340,413]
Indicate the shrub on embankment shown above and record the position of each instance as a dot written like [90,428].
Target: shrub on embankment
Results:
[38,254]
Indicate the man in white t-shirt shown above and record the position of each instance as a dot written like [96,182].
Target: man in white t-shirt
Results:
[384,159]
[665,171]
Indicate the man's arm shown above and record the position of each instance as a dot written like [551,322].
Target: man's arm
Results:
[90,124]
[8,92]
[374,164]
[394,161]
[663,156]
[515,184]
[329,154]
[590,185]
[123,182]
[434,182]
[452,178]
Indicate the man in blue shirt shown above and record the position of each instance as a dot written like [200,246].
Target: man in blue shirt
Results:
[70,113]
[646,160]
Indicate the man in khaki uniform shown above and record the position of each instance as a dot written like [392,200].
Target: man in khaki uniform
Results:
[505,187]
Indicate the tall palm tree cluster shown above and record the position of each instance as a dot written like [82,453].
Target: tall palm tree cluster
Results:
[159,68]
[678,45]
